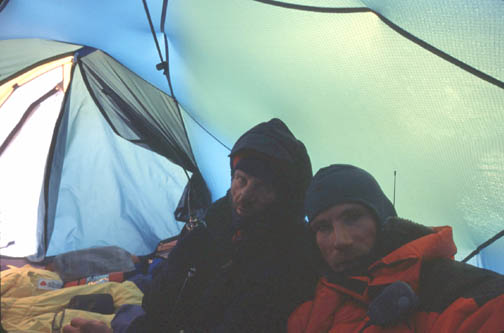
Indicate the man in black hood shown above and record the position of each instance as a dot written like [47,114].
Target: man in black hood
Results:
[248,268]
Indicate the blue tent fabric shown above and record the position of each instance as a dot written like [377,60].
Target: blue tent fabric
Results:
[135,185]
[104,189]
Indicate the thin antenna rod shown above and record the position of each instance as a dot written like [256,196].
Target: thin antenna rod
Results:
[395,176]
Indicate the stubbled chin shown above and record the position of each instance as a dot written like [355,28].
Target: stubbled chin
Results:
[338,268]
[342,267]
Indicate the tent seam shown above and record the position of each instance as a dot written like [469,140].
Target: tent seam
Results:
[420,42]
[95,99]
[38,63]
[50,159]
[341,10]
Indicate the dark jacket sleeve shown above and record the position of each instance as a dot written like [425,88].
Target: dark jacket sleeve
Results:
[174,291]
[442,281]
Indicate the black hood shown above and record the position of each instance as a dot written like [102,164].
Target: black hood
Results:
[276,141]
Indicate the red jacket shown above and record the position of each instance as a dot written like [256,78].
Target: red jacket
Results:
[453,297]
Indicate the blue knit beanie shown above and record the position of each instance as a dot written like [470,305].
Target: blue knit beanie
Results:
[342,183]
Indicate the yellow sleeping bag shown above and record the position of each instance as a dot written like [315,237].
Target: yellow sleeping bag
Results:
[33,300]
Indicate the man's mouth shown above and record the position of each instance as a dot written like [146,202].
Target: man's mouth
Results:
[351,266]
[341,267]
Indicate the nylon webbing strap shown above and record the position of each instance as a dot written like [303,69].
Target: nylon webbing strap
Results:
[152,29]
[164,64]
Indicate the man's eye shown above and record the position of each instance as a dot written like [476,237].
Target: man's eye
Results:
[265,190]
[240,179]
[322,227]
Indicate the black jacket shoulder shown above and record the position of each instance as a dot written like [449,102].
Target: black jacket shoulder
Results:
[443,280]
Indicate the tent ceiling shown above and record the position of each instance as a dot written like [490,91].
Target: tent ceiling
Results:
[351,87]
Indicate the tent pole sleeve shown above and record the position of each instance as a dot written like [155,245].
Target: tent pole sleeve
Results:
[482,246]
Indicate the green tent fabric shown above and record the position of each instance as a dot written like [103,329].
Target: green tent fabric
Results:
[412,87]
[34,52]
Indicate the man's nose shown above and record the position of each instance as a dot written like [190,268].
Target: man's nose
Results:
[341,238]
[248,193]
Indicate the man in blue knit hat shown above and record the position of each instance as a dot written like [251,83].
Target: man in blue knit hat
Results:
[349,200]
[385,274]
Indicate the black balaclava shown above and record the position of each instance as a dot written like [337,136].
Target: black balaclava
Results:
[342,183]
[272,153]
[274,141]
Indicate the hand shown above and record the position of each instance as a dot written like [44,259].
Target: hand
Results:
[165,246]
[81,325]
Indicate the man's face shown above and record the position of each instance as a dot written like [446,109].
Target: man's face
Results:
[249,194]
[344,233]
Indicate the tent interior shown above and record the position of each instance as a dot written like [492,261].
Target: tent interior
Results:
[412,91]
